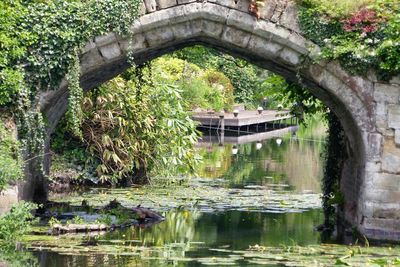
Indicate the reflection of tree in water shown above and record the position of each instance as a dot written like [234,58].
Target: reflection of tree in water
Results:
[16,255]
[178,227]
[216,160]
[160,244]
[294,162]
[238,229]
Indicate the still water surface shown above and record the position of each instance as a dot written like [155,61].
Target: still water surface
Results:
[194,237]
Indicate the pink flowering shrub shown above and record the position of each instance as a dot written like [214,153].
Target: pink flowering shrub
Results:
[364,20]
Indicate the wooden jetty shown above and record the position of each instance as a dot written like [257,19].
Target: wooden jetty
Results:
[245,122]
[245,119]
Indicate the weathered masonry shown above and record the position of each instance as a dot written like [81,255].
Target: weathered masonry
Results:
[368,109]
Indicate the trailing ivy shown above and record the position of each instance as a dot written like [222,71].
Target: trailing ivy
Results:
[74,113]
[334,159]
[39,43]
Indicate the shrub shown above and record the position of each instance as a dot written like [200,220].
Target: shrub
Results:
[17,222]
[10,159]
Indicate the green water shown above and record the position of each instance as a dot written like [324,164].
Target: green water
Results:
[198,229]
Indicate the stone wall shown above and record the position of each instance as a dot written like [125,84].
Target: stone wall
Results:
[368,109]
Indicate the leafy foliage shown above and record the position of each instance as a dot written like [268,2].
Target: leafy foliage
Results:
[207,89]
[135,125]
[244,77]
[39,41]
[17,222]
[74,112]
[335,154]
[10,159]
[362,35]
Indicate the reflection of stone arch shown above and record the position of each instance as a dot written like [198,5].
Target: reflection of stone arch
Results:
[274,42]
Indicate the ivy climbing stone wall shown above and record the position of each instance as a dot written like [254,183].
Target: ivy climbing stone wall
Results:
[367,109]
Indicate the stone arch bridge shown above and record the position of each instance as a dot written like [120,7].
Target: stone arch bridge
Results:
[368,109]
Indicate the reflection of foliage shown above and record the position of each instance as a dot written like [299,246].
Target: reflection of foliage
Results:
[272,163]
[216,160]
[178,227]
[13,257]
[274,229]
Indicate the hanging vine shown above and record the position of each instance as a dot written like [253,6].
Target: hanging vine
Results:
[40,48]
[74,113]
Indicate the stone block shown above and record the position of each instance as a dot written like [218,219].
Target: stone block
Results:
[397,137]
[215,12]
[162,4]
[279,34]
[264,48]
[382,224]
[289,17]
[138,42]
[177,15]
[367,208]
[111,51]
[263,29]
[278,10]
[159,36]
[242,5]
[91,60]
[289,56]
[193,11]
[394,116]
[389,133]
[372,166]
[151,5]
[390,213]
[197,27]
[241,20]
[381,123]
[386,181]
[89,46]
[333,84]
[236,37]
[267,11]
[386,93]
[105,39]
[298,43]
[381,109]
[391,163]
[374,147]
[182,31]
[395,80]
[212,29]
[383,195]
[151,21]
[136,27]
